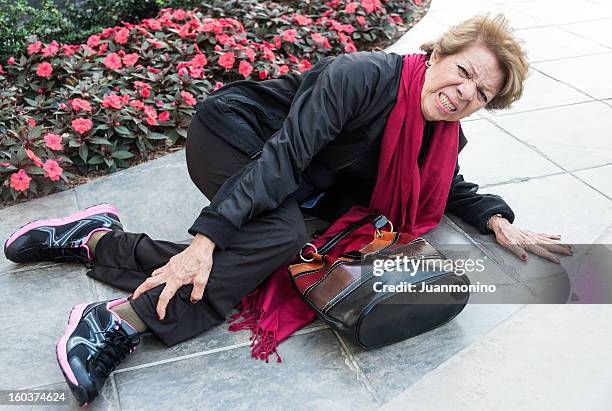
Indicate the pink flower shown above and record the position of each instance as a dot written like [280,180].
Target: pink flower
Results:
[263,74]
[370,5]
[289,35]
[44,70]
[31,122]
[350,48]
[80,104]
[151,121]
[304,65]
[62,106]
[2,70]
[5,164]
[361,20]
[196,72]
[302,20]
[153,70]
[34,47]
[182,72]
[35,159]
[137,104]
[112,61]
[93,40]
[102,49]
[112,101]
[164,116]
[332,3]
[398,19]
[199,60]
[82,125]
[69,50]
[150,112]
[130,59]
[250,53]
[227,60]
[121,37]
[179,14]
[351,7]
[284,69]
[53,170]
[320,40]
[245,68]
[11,60]
[217,86]
[51,49]
[153,24]
[188,98]
[53,141]
[269,54]
[20,181]
[145,92]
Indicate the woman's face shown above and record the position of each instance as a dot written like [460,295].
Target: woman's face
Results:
[460,84]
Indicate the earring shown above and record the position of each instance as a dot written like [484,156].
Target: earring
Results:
[428,64]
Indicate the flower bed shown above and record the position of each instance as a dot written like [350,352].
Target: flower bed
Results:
[75,109]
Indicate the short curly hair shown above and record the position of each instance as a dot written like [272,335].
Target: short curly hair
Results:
[495,33]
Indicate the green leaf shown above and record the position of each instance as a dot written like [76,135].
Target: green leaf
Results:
[97,159]
[123,130]
[181,132]
[99,140]
[156,136]
[122,155]
[73,143]
[83,152]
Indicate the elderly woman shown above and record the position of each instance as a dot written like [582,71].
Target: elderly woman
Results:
[368,128]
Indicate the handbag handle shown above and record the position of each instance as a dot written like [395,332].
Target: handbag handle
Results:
[378,220]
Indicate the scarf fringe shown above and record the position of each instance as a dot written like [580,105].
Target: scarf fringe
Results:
[265,341]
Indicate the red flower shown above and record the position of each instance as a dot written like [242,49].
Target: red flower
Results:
[153,24]
[44,70]
[130,59]
[102,49]
[121,37]
[304,65]
[2,70]
[350,48]
[196,72]
[11,60]
[145,92]
[34,47]
[93,40]
[155,43]
[188,98]
[137,104]
[199,60]
[227,60]
[112,61]
[320,40]
[151,121]
[284,69]
[62,106]
[289,35]
[250,53]
[141,84]
[51,49]
[80,104]
[112,101]
[277,42]
[351,7]
[31,122]
[53,141]
[269,54]
[302,20]
[263,74]
[150,112]
[69,50]
[326,14]
[182,72]
[153,70]
[245,68]
[20,181]
[35,159]
[179,14]
[164,116]
[82,125]
[53,170]
[370,5]
[361,20]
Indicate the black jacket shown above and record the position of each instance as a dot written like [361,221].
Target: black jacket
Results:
[312,132]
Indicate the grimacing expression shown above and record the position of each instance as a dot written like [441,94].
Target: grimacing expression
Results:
[460,84]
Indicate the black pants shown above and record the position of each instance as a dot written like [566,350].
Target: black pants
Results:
[125,260]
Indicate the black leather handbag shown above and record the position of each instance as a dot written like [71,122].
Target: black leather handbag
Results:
[371,300]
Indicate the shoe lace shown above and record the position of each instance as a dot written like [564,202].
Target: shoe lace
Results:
[69,252]
[116,347]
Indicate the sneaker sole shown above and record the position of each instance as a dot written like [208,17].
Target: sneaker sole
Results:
[88,212]
[62,357]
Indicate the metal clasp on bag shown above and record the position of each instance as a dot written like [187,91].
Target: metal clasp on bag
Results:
[302,256]
[380,223]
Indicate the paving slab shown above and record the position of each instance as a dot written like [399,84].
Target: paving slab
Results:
[394,368]
[584,73]
[315,374]
[557,205]
[564,11]
[157,197]
[493,156]
[542,91]
[596,30]
[425,30]
[574,137]
[553,43]
[107,399]
[545,357]
[12,218]
[600,178]
[517,18]
[35,306]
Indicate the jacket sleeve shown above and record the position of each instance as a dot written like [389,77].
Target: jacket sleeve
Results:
[325,101]
[473,208]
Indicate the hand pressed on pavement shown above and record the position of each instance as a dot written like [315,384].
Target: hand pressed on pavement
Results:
[520,241]
[191,266]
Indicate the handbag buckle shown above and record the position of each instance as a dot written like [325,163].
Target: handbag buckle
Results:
[301,251]
[380,223]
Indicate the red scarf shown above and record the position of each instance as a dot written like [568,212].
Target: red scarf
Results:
[412,197]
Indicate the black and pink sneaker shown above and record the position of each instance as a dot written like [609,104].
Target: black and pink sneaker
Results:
[94,343]
[63,239]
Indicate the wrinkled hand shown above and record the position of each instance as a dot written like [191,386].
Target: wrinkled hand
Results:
[191,266]
[519,241]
